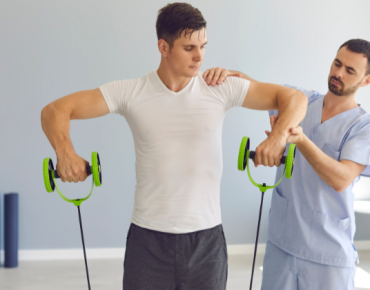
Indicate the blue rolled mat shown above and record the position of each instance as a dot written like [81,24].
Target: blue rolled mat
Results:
[11,230]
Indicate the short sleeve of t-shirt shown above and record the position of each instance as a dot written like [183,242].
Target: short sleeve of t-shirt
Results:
[311,94]
[117,94]
[232,91]
[357,148]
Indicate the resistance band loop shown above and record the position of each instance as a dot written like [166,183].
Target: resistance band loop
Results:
[76,202]
[262,187]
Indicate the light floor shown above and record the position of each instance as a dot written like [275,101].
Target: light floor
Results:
[107,274]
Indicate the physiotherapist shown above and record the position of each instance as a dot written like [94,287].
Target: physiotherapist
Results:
[312,221]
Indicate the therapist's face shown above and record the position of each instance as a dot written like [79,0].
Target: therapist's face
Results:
[347,72]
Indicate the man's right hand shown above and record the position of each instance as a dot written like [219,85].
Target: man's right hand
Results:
[71,167]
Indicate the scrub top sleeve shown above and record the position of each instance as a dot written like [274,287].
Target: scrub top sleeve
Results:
[366,172]
[311,94]
[357,148]
[273,112]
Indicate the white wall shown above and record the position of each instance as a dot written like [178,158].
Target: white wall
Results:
[52,48]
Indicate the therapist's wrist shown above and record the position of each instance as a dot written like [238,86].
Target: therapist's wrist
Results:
[301,141]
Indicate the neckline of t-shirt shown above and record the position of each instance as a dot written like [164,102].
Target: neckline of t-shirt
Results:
[167,89]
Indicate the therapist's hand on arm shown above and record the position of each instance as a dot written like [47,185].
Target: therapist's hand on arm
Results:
[55,121]
[337,174]
[290,103]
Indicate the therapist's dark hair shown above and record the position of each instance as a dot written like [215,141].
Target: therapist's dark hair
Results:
[359,46]
[175,18]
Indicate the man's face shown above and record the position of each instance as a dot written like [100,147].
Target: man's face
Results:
[186,54]
[347,73]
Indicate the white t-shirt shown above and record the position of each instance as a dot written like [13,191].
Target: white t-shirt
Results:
[178,146]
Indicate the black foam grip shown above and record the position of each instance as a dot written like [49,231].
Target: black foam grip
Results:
[252,154]
[88,170]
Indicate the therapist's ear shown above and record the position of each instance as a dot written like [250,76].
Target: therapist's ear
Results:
[367,81]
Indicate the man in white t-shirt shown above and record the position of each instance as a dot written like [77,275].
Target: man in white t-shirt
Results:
[175,240]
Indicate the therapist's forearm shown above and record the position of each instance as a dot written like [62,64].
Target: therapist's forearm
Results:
[331,171]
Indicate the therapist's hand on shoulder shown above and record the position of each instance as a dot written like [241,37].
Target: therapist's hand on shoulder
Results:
[215,76]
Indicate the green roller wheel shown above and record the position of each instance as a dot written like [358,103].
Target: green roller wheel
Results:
[48,179]
[96,169]
[289,162]
[242,159]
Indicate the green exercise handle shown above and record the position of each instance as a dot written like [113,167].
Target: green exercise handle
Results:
[88,171]
[252,154]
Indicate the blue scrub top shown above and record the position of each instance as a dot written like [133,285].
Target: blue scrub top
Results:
[308,218]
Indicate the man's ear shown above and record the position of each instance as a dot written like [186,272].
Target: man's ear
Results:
[367,81]
[163,47]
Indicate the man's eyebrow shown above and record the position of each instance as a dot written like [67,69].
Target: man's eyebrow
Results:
[351,68]
[192,45]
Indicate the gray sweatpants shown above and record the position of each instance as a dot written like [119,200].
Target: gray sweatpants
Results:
[162,261]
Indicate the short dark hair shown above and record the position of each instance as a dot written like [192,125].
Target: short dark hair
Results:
[175,18]
[359,46]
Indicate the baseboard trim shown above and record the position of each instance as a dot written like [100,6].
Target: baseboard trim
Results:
[69,254]
[119,253]
[362,245]
[245,249]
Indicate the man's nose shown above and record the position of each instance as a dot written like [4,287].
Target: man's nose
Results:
[198,57]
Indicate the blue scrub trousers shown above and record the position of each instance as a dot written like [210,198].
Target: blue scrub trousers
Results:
[282,271]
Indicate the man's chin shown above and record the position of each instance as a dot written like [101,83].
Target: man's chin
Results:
[194,69]
[335,91]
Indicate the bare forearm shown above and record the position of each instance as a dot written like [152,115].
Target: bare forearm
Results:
[331,171]
[56,126]
[292,108]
